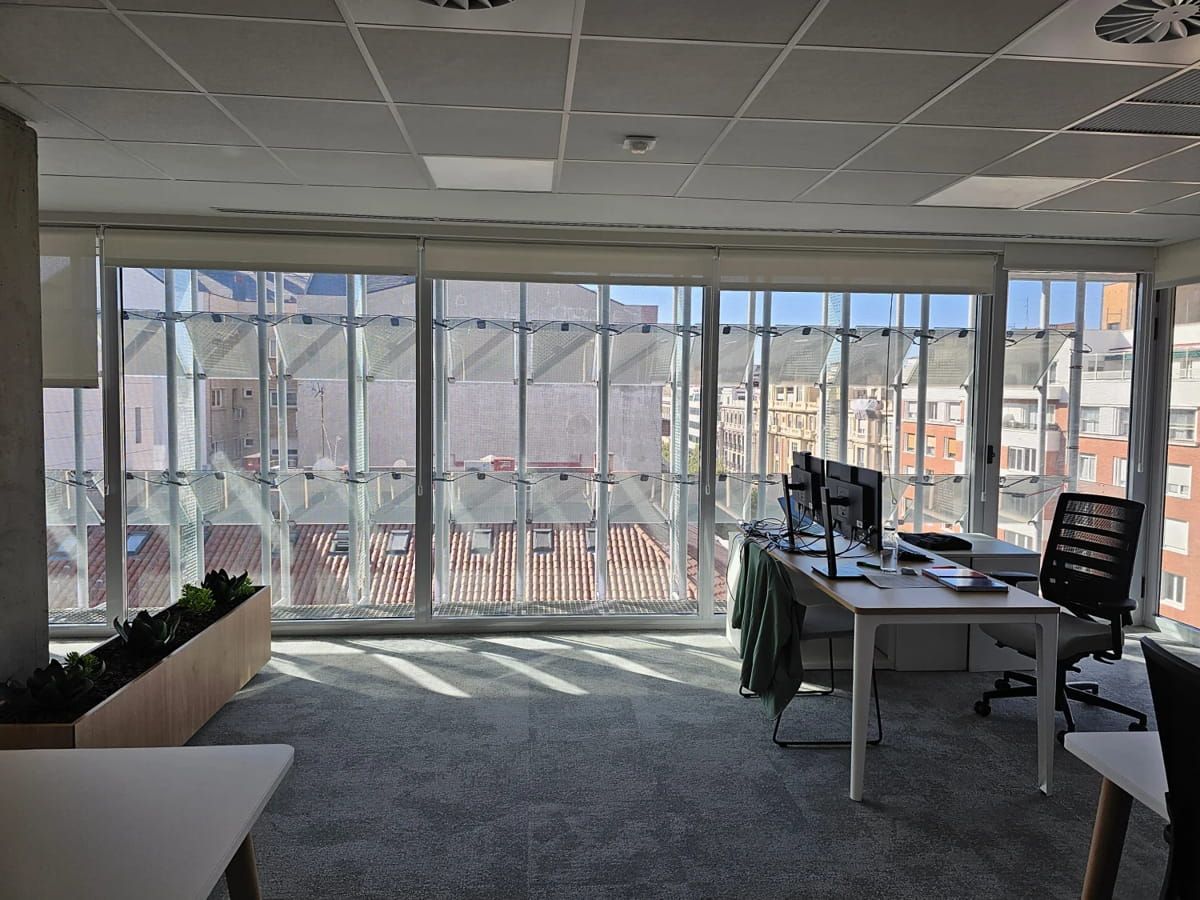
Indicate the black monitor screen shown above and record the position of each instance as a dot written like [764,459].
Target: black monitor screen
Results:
[807,477]
[871,482]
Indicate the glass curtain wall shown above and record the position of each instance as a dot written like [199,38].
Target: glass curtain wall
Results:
[1068,381]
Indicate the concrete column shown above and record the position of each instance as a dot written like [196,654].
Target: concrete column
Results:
[24,633]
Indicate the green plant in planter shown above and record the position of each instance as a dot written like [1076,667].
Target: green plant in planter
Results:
[57,686]
[90,665]
[147,635]
[226,588]
[197,600]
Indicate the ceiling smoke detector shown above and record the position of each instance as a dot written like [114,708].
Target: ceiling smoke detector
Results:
[1150,21]
[467,4]
[639,144]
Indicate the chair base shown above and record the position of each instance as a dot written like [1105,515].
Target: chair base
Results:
[874,742]
[1087,692]
[820,692]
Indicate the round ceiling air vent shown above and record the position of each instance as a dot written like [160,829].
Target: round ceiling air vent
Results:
[467,4]
[1150,21]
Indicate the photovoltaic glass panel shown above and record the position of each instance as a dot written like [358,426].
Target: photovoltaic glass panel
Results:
[798,358]
[946,501]
[392,501]
[950,359]
[553,500]
[562,356]
[232,499]
[876,358]
[486,501]
[1024,498]
[225,347]
[642,355]
[146,348]
[632,500]
[1027,356]
[321,500]
[391,349]
[60,502]
[736,349]
[315,349]
[148,500]
[480,350]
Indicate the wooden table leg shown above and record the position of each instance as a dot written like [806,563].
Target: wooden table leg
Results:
[241,875]
[1108,838]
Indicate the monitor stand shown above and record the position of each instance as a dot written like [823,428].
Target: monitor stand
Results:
[830,569]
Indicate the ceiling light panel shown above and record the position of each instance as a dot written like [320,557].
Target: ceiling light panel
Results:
[844,85]
[755,21]
[1085,155]
[805,145]
[596,136]
[926,24]
[996,192]
[463,69]
[681,79]
[474,173]
[1019,93]
[452,131]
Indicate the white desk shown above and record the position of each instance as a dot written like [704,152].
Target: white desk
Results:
[873,607]
[160,822]
[1132,766]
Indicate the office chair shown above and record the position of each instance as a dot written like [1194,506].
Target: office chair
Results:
[1086,569]
[1175,687]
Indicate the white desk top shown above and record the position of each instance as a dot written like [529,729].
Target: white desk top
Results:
[147,822]
[1132,760]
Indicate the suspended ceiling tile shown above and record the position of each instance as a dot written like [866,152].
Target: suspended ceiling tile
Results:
[283,59]
[1086,155]
[539,16]
[1185,206]
[1119,196]
[147,116]
[94,158]
[680,139]
[458,68]
[749,183]
[196,162]
[318,124]
[845,85]
[951,150]
[642,179]
[83,4]
[886,188]
[49,123]
[684,79]
[1023,93]
[926,24]
[338,167]
[78,47]
[314,10]
[758,21]
[1182,166]
[800,144]
[483,132]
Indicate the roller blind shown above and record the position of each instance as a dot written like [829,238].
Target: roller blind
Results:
[1178,264]
[844,270]
[70,350]
[573,264]
[257,252]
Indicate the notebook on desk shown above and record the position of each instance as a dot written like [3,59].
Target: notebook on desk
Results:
[959,578]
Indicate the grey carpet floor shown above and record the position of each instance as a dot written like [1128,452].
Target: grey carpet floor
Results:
[606,766]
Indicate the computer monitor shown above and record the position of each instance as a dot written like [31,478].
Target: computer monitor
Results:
[806,479]
[871,482]
[846,501]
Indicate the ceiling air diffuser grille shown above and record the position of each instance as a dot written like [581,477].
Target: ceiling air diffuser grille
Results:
[1149,21]
[467,4]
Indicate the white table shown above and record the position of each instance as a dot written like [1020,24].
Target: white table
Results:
[874,607]
[1132,766]
[161,822]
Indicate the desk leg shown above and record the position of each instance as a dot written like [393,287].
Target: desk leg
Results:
[864,659]
[1046,628]
[1108,838]
[241,875]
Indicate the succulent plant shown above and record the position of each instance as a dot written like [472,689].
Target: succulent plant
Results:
[228,589]
[197,600]
[147,635]
[89,664]
[57,686]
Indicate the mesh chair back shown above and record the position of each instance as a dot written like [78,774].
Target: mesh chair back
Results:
[1088,563]
[1175,686]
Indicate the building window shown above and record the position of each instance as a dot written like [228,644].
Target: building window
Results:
[1181,426]
[543,541]
[1175,535]
[1179,481]
[951,448]
[239,413]
[216,398]
[1022,459]
[931,411]
[1123,421]
[248,443]
[398,542]
[910,442]
[930,445]
[1120,471]
[910,409]
[137,424]
[135,541]
[956,413]
[1174,589]
[247,393]
[1087,467]
[1089,419]
[481,541]
[341,543]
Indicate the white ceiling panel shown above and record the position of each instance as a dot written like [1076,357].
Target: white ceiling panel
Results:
[319,124]
[1086,155]
[887,188]
[1119,196]
[1183,166]
[759,21]
[314,10]
[594,136]
[1024,93]
[196,162]
[454,131]
[999,191]
[647,179]
[845,85]
[94,158]
[281,59]
[46,121]
[355,169]
[147,116]
[457,68]
[480,173]
[952,150]
[537,16]
[799,144]
[684,79]
[56,46]
[749,183]
[1071,33]
[926,24]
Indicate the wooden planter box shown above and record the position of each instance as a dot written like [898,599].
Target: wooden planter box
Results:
[170,701]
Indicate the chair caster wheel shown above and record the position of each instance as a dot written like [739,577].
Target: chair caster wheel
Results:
[982,708]
[1061,737]
[1003,684]
[1137,726]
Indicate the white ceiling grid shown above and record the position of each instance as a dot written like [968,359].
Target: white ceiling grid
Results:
[809,114]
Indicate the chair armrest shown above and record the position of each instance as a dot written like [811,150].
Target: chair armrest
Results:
[1015,578]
